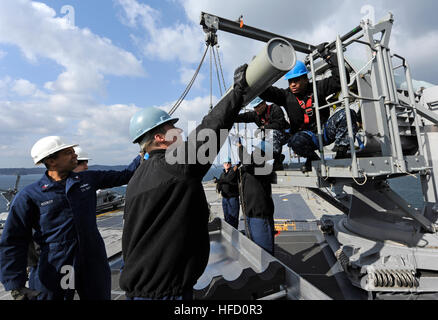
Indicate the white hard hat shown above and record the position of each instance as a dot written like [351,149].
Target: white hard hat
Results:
[47,146]
[255,103]
[82,155]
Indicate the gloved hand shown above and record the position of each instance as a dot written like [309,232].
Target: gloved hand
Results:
[323,51]
[24,294]
[239,77]
[215,180]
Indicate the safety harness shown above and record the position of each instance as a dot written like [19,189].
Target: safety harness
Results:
[307,107]
[265,119]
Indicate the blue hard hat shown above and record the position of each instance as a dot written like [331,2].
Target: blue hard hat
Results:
[147,119]
[228,160]
[299,70]
[254,103]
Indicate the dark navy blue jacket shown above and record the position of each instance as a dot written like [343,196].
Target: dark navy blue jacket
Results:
[61,218]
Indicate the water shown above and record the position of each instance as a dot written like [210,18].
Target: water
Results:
[408,187]
[8,182]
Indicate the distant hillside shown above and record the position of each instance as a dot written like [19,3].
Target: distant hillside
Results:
[41,170]
[215,171]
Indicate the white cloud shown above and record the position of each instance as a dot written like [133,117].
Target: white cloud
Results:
[19,88]
[69,104]
[69,46]
[29,112]
[315,21]
[4,86]
[105,121]
[420,52]
[186,75]
[24,87]
[136,13]
[179,41]
[192,110]
[85,56]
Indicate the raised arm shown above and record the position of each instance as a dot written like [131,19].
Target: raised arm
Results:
[275,95]
[113,178]
[206,140]
[247,117]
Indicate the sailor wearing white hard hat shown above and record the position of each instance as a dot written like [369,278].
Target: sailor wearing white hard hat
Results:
[83,159]
[58,212]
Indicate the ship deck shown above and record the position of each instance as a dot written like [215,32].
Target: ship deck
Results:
[302,255]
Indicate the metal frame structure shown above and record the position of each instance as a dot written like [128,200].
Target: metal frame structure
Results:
[383,243]
[9,194]
[240,269]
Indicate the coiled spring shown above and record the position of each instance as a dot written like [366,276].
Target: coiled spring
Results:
[395,278]
[342,258]
[384,278]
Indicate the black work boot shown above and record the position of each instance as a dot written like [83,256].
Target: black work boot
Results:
[308,164]
[278,162]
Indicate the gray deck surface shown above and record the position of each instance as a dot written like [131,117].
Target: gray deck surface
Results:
[302,252]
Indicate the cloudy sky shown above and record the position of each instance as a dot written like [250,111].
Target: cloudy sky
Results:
[80,69]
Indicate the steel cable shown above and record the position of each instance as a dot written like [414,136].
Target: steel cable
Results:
[189,86]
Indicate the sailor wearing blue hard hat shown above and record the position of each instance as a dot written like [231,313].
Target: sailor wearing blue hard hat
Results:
[298,100]
[227,186]
[147,120]
[258,205]
[270,120]
[165,242]
[297,77]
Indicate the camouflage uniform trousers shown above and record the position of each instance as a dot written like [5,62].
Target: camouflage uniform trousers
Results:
[278,138]
[304,143]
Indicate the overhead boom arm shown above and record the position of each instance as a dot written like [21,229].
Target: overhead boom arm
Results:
[214,23]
